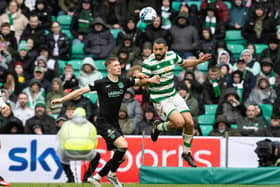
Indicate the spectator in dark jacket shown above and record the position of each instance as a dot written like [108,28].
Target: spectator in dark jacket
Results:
[207,43]
[259,27]
[238,15]
[223,11]
[9,124]
[146,125]
[35,31]
[154,31]
[185,36]
[39,74]
[24,9]
[43,12]
[276,105]
[213,86]
[8,35]
[274,129]
[268,72]
[221,126]
[100,42]
[58,42]
[41,122]
[230,106]
[69,80]
[211,19]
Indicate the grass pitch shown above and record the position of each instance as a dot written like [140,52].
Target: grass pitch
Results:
[133,185]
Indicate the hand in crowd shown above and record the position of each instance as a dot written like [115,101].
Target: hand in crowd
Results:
[205,57]
[56,101]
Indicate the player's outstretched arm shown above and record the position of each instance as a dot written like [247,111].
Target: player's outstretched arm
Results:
[145,81]
[194,62]
[70,96]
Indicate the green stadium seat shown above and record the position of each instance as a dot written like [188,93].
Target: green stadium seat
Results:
[68,33]
[210,109]
[203,67]
[206,129]
[77,51]
[64,21]
[236,49]
[234,36]
[76,73]
[61,64]
[206,119]
[260,48]
[100,65]
[76,63]
[54,115]
[197,3]
[266,111]
[115,32]
[229,5]
[235,126]
[92,96]
[176,5]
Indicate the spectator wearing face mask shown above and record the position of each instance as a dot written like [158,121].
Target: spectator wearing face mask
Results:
[221,126]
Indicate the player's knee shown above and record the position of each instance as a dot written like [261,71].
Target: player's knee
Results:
[180,123]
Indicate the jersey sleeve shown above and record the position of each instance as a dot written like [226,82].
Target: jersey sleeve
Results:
[94,85]
[129,82]
[178,60]
[146,69]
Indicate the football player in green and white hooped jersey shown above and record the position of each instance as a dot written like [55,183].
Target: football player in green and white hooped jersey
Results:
[172,109]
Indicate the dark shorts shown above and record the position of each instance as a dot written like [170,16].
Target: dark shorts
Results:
[109,132]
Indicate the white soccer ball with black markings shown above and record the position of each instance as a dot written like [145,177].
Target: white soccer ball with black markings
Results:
[148,15]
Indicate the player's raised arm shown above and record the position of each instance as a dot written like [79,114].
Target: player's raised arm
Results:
[70,96]
[194,62]
[145,81]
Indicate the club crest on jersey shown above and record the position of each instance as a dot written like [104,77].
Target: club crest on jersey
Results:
[120,85]
[166,69]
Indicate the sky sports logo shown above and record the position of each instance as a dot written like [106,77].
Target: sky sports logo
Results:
[24,161]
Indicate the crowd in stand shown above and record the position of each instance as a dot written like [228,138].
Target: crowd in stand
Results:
[33,44]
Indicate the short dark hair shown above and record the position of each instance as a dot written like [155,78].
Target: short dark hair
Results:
[5,24]
[160,41]
[110,60]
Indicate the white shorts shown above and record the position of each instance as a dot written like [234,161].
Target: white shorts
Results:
[165,107]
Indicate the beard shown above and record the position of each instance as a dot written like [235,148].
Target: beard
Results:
[159,57]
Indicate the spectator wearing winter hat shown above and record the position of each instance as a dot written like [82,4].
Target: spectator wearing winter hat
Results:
[21,75]
[24,57]
[146,125]
[88,72]
[221,126]
[268,72]
[273,130]
[99,42]
[146,51]
[126,123]
[273,52]
[39,74]
[41,122]
[43,12]
[35,93]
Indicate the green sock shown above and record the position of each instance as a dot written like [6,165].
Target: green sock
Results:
[163,126]
[187,142]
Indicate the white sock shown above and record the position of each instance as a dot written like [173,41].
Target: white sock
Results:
[97,177]
[111,173]
[163,126]
[187,142]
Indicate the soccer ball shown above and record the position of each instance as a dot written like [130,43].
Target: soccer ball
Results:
[148,15]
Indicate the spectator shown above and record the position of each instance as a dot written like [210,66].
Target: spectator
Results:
[35,31]
[99,43]
[35,93]
[237,83]
[88,72]
[68,6]
[224,59]
[273,52]
[5,56]
[114,13]
[12,86]
[15,18]
[146,51]
[127,125]
[82,21]
[274,129]
[33,52]
[44,13]
[8,36]
[268,72]
[259,27]
[130,29]
[248,78]
[221,45]
[24,58]
[238,15]
[24,9]
[146,125]
[253,66]
[213,86]
[22,110]
[252,48]
[20,74]
[221,126]
[262,93]
[184,35]
[69,80]
[9,124]
[211,19]
[230,106]
[276,104]
[41,122]
[58,42]
[207,43]
[39,74]
[134,110]
[6,98]
[154,31]
[223,11]
[250,125]
[166,12]
[57,92]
